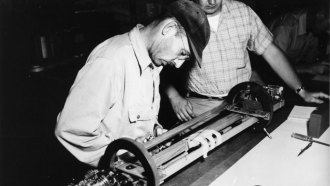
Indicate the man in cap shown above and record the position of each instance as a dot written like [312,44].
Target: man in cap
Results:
[115,94]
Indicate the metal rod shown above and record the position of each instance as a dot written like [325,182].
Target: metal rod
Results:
[184,161]
[307,138]
[181,146]
[321,143]
[203,118]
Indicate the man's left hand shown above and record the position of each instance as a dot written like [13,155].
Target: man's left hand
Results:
[159,131]
[314,97]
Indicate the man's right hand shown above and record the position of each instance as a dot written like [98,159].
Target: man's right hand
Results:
[182,108]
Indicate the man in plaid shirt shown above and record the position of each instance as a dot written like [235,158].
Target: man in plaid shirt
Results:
[235,29]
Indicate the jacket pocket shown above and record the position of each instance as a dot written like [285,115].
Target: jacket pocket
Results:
[135,114]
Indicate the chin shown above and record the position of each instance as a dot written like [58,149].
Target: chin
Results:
[157,62]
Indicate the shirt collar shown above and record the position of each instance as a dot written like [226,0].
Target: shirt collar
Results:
[225,12]
[140,49]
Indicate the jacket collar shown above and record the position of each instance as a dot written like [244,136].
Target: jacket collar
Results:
[140,49]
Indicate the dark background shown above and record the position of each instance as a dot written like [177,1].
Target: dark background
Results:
[33,86]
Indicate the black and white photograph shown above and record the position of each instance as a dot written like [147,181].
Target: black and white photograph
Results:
[164,92]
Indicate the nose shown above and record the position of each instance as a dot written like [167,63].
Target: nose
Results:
[211,2]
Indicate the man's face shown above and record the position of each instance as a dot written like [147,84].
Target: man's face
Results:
[210,7]
[172,50]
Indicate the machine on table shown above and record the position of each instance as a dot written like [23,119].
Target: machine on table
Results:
[151,163]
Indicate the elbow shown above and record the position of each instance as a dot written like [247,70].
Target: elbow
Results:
[272,52]
[59,128]
[58,132]
[63,132]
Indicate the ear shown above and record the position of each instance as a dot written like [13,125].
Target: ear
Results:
[170,28]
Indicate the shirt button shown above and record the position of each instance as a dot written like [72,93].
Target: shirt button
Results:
[138,116]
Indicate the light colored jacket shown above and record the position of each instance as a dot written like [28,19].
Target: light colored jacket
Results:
[114,95]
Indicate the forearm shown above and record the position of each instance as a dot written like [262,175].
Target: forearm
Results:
[83,135]
[281,65]
[171,91]
[86,148]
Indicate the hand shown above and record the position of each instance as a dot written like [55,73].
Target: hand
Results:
[159,130]
[314,97]
[182,108]
[142,139]
[319,69]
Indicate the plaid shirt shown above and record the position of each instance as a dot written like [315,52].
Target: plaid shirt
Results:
[225,59]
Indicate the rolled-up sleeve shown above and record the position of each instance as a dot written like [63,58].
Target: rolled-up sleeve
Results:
[79,126]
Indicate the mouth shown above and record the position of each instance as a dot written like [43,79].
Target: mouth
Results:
[210,6]
[210,9]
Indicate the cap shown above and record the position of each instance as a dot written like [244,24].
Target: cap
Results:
[195,23]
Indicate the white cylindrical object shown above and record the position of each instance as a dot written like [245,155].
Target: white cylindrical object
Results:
[186,160]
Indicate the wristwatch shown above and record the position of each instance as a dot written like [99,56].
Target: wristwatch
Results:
[299,89]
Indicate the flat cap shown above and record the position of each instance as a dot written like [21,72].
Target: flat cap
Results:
[195,23]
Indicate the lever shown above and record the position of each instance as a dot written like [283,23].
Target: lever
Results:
[267,133]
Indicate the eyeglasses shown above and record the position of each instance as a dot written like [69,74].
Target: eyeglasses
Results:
[184,55]
[184,52]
